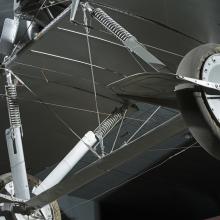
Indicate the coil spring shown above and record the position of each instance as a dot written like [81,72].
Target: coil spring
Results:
[108,124]
[111,25]
[13,108]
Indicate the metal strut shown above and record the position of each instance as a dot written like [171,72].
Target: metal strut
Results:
[124,36]
[87,143]
[14,141]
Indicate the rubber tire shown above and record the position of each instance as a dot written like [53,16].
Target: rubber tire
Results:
[33,181]
[193,105]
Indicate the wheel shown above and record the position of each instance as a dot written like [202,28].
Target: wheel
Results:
[50,212]
[200,109]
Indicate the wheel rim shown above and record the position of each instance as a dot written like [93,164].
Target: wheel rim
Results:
[47,212]
[210,72]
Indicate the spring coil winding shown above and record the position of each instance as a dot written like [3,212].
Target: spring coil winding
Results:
[111,25]
[13,107]
[108,124]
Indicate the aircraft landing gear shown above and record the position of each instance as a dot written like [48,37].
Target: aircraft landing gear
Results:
[8,210]
[17,183]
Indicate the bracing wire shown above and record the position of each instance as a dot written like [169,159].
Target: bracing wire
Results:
[65,124]
[118,132]
[91,66]
[133,178]
[139,17]
[147,120]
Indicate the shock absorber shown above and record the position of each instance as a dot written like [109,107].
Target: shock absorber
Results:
[13,107]
[120,32]
[87,143]
[106,126]
[14,141]
[123,35]
[111,25]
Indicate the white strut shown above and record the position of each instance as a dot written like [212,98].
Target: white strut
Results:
[81,148]
[66,165]
[14,142]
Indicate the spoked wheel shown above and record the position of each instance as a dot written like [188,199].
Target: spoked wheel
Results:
[50,212]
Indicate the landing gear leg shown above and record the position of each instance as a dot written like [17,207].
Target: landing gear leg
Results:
[14,141]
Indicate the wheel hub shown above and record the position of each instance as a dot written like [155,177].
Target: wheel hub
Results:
[211,73]
[16,210]
[44,213]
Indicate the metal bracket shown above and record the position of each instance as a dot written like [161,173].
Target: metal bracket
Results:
[9,199]
[203,83]
[16,8]
[74,7]
[14,205]
[8,37]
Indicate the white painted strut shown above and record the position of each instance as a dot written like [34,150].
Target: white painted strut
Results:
[14,142]
[17,163]
[67,164]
